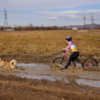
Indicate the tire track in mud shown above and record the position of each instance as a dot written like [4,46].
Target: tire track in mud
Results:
[27,89]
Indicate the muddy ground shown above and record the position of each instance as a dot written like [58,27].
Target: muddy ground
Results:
[17,88]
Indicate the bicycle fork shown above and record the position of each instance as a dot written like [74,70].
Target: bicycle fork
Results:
[62,60]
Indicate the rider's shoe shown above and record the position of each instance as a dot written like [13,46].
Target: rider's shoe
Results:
[63,69]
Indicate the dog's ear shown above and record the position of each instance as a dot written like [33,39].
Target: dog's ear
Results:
[12,63]
[0,59]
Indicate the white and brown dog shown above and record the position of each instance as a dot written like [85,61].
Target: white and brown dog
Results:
[5,64]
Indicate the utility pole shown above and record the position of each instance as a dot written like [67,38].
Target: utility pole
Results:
[92,20]
[5,19]
[84,21]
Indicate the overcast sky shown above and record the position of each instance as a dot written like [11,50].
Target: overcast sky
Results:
[50,12]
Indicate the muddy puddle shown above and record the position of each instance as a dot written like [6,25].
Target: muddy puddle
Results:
[37,71]
[91,79]
[44,72]
[91,83]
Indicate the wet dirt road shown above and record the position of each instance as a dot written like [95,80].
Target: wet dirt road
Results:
[36,81]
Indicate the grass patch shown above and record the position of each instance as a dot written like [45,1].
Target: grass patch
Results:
[48,42]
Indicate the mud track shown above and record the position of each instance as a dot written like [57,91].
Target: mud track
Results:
[17,88]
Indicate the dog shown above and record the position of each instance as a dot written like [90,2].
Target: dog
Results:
[5,64]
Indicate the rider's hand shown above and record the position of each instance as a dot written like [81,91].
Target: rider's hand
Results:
[63,50]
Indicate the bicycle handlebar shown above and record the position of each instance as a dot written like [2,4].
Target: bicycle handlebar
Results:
[63,51]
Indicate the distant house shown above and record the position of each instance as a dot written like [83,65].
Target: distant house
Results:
[8,29]
[74,28]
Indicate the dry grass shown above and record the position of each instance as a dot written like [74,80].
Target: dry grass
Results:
[48,42]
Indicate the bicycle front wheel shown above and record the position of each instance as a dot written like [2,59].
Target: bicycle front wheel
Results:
[90,63]
[60,60]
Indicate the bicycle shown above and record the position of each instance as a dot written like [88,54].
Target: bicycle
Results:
[89,62]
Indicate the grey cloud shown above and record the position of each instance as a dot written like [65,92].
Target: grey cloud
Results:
[41,9]
[45,4]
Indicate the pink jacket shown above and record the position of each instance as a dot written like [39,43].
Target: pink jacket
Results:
[69,47]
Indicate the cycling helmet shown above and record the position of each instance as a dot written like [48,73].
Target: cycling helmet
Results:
[68,38]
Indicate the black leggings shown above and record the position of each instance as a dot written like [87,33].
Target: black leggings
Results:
[73,56]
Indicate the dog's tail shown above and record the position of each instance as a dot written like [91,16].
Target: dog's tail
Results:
[13,64]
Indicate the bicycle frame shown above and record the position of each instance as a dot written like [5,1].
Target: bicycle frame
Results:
[88,66]
[66,56]
[68,59]
[83,64]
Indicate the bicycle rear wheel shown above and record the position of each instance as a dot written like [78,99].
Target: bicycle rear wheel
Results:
[90,63]
[60,60]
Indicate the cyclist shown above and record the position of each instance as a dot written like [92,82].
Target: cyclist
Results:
[71,47]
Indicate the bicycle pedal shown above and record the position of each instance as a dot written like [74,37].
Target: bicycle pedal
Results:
[60,65]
